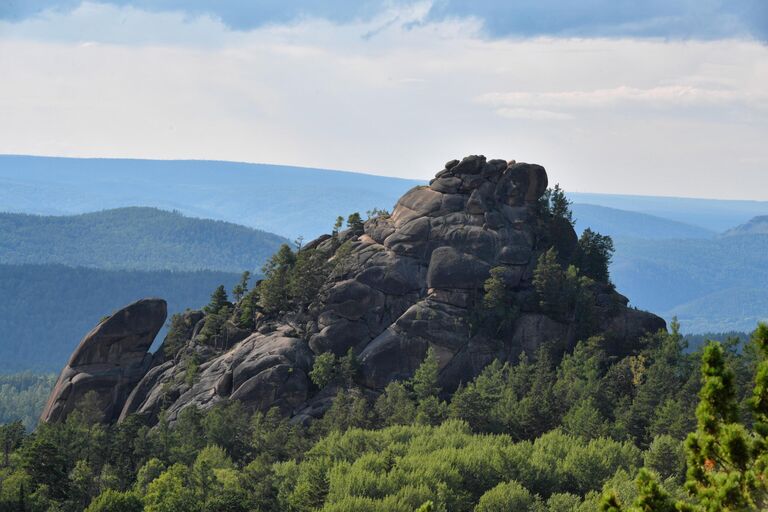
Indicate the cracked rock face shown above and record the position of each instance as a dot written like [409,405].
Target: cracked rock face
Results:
[110,361]
[406,282]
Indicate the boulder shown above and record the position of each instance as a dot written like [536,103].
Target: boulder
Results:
[109,361]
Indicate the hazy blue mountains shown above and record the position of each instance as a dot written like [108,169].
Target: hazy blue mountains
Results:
[134,238]
[60,274]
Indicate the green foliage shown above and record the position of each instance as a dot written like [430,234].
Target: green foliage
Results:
[540,434]
[323,369]
[666,457]
[172,491]
[307,276]
[115,501]
[241,288]
[178,333]
[248,308]
[337,225]
[134,238]
[292,279]
[595,254]
[214,330]
[218,300]
[498,312]
[555,203]
[328,369]
[23,396]
[395,405]
[549,281]
[273,290]
[355,222]
[507,496]
[425,378]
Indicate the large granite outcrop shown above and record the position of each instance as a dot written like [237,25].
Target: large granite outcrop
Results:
[406,281]
[109,361]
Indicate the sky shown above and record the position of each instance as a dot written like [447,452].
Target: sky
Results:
[660,97]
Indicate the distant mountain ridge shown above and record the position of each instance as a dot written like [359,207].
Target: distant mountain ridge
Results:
[46,309]
[134,238]
[756,226]
[710,284]
[623,223]
[289,201]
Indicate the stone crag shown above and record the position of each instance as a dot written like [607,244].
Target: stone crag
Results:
[401,284]
[110,361]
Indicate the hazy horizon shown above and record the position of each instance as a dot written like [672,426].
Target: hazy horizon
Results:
[663,99]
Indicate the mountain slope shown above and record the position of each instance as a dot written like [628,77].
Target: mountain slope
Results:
[623,223]
[755,226]
[709,283]
[46,309]
[134,238]
[712,214]
[290,201]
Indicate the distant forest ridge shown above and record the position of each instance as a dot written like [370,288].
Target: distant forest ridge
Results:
[45,310]
[134,239]
[289,201]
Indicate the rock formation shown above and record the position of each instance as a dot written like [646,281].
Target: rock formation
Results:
[405,282]
[110,361]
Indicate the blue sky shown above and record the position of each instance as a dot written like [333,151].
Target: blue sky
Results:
[704,19]
[652,97]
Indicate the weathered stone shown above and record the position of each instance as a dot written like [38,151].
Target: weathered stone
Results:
[449,268]
[110,361]
[403,284]
[446,184]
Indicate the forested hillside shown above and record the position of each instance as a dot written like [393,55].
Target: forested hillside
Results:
[46,309]
[23,396]
[276,198]
[136,239]
[544,435]
[710,284]
[289,201]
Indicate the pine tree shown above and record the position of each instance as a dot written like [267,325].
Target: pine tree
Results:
[274,293]
[241,288]
[426,375]
[355,222]
[560,205]
[595,254]
[219,299]
[549,280]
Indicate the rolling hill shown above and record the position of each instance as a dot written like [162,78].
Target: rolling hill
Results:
[623,223]
[710,284]
[289,201]
[135,239]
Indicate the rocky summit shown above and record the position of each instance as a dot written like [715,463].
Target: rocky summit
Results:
[392,288]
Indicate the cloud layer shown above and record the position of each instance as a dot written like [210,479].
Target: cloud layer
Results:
[390,91]
[702,19]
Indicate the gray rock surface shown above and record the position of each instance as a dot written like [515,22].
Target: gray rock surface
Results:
[410,280]
[110,361]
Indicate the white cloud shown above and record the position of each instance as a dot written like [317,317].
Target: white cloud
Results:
[610,115]
[664,97]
